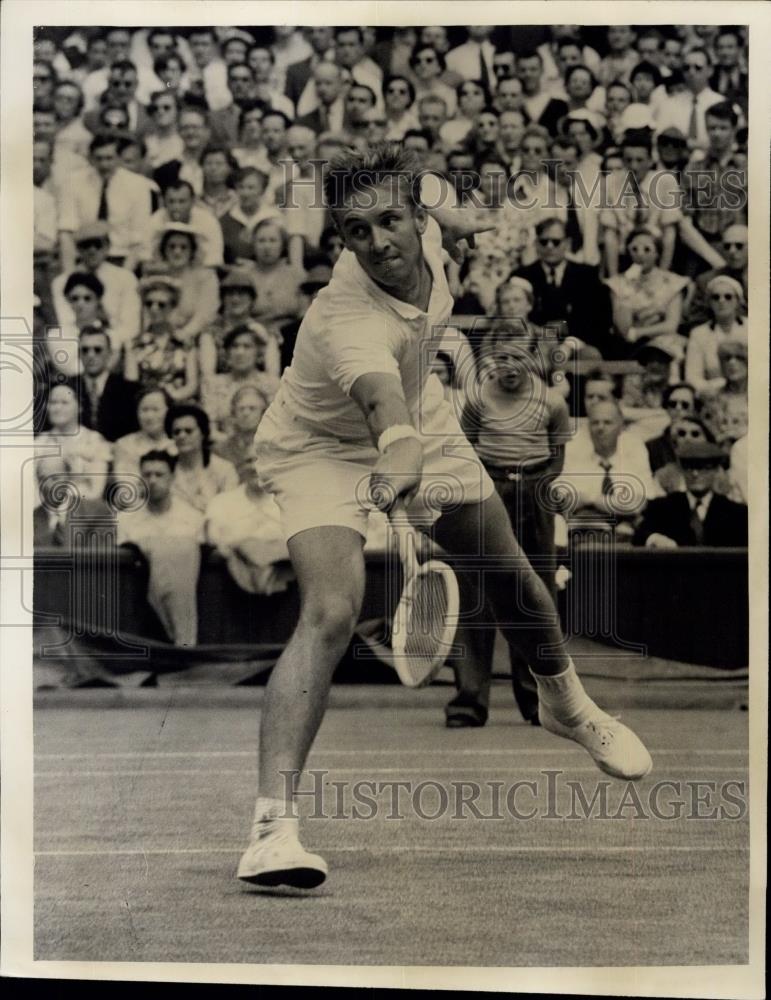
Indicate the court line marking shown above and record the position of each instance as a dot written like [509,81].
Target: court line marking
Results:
[364,769]
[526,751]
[406,849]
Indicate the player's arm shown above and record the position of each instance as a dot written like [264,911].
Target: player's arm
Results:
[459,223]
[399,468]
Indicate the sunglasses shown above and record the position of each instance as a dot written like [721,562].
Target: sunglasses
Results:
[155,108]
[377,121]
[537,150]
[499,68]
[92,350]
[123,84]
[176,431]
[734,246]
[82,298]
[45,78]
[157,304]
[243,78]
[679,404]
[550,241]
[725,296]
[696,67]
[690,435]
[90,245]
[425,59]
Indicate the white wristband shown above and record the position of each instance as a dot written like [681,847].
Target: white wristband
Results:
[396,433]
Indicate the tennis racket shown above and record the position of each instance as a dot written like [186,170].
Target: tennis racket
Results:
[426,617]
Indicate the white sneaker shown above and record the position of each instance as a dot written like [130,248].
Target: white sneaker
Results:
[613,746]
[275,856]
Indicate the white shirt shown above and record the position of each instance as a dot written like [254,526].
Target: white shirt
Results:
[355,328]
[465,59]
[179,521]
[675,112]
[203,220]
[121,302]
[702,363]
[630,469]
[660,197]
[233,516]
[129,206]
[45,216]
[74,137]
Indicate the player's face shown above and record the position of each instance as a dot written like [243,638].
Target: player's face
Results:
[383,229]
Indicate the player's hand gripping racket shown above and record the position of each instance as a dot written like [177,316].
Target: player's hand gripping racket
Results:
[426,617]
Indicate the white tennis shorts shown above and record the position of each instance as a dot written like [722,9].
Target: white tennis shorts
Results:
[319,481]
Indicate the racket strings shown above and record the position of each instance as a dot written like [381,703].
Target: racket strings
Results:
[425,623]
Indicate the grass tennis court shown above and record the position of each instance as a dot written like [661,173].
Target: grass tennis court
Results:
[141,813]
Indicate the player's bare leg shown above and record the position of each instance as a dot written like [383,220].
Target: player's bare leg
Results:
[330,571]
[564,707]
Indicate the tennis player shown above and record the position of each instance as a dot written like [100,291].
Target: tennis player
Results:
[359,419]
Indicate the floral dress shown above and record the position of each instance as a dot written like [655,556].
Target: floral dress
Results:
[161,361]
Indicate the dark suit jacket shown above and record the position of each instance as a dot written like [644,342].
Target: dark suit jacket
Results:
[551,114]
[117,407]
[312,121]
[144,124]
[297,75]
[581,300]
[724,525]
[91,515]
[660,451]
[736,94]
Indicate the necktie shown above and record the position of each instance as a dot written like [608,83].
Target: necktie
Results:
[324,118]
[607,481]
[60,533]
[93,400]
[693,123]
[551,275]
[640,211]
[696,523]
[103,210]
[484,73]
[572,228]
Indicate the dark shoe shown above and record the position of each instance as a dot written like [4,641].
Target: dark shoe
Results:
[464,712]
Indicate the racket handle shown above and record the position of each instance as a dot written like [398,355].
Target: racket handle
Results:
[404,534]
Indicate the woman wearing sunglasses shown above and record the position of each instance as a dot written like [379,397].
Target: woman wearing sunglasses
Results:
[647,301]
[164,142]
[157,358]
[84,293]
[427,66]
[399,99]
[725,298]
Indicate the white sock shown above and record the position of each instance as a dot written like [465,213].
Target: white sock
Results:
[270,809]
[564,696]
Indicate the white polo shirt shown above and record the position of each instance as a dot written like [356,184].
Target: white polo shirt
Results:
[355,328]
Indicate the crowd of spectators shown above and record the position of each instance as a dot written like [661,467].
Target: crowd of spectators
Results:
[179,237]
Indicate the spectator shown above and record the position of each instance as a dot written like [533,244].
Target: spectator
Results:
[119,296]
[44,81]
[399,97]
[117,50]
[510,96]
[237,295]
[170,70]
[106,192]
[672,55]
[198,475]
[738,471]
[698,515]
[71,133]
[299,87]
[672,151]
[234,48]
[725,412]
[511,125]
[432,119]
[305,214]
[647,300]
[687,111]
[244,525]
[350,54]
[105,397]
[85,451]
[288,46]
[328,86]
[179,250]
[729,78]
[195,133]
[715,180]
[265,87]
[64,516]
[180,206]
[83,293]
[581,206]
[224,123]
[247,406]
[541,107]
[157,358]
[151,408]
[618,97]
[622,56]
[643,395]
[245,348]
[702,366]
[218,166]
[473,96]
[685,430]
[646,79]
[679,401]
[122,82]
[607,478]
[582,91]
[168,532]
[249,151]
[250,210]
[734,249]
[276,279]
[210,71]
[564,291]
[552,53]
[428,65]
